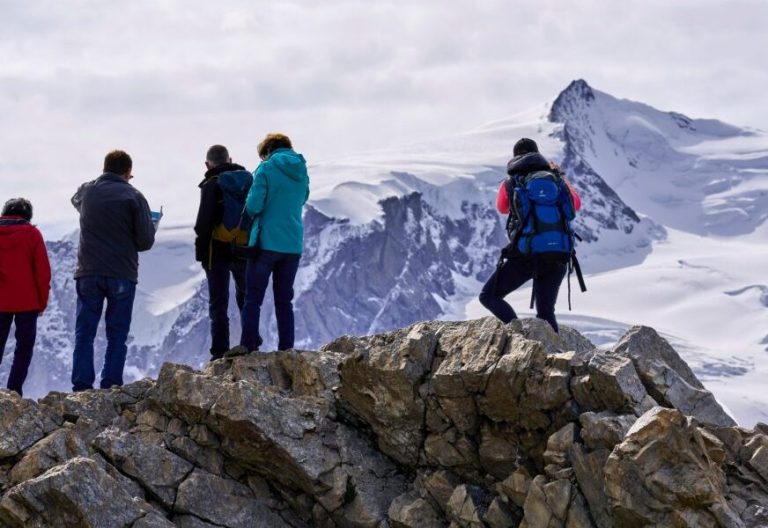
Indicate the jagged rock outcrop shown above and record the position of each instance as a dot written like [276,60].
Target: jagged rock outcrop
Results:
[471,424]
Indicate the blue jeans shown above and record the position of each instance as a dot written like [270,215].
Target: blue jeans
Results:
[516,271]
[26,332]
[282,267]
[218,300]
[91,292]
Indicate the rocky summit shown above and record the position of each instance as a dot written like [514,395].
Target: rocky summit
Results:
[471,424]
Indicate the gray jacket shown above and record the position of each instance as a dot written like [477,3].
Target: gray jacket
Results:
[115,224]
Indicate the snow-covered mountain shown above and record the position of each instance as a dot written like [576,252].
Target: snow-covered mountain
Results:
[673,221]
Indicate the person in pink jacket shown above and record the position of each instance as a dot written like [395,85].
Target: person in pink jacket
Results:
[516,268]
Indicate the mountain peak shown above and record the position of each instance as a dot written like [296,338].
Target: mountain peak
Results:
[577,94]
[578,90]
[581,88]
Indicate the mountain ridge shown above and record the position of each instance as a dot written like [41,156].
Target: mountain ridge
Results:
[411,235]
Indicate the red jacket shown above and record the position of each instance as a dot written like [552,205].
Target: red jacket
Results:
[502,200]
[25,274]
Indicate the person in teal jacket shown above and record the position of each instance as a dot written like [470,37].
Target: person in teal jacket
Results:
[276,202]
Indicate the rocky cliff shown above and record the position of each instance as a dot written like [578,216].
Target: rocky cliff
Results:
[469,424]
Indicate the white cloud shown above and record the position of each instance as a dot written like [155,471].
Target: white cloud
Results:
[166,78]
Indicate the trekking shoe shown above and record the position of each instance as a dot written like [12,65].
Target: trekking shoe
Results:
[239,350]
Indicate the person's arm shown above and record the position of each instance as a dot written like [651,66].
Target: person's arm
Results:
[257,196]
[502,200]
[143,228]
[206,219]
[77,199]
[42,270]
[574,195]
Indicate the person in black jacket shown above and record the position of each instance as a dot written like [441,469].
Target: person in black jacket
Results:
[213,244]
[115,225]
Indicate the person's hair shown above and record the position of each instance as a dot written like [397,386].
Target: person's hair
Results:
[118,162]
[271,143]
[18,207]
[217,155]
[525,146]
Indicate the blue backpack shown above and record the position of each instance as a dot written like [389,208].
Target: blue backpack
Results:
[539,223]
[235,225]
[541,211]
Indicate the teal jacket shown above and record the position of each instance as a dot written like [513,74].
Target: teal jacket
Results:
[276,201]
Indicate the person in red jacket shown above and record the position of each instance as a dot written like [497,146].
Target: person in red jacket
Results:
[25,280]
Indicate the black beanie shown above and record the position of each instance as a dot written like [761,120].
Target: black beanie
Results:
[525,146]
[18,207]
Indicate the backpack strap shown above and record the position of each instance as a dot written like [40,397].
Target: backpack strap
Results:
[509,187]
[577,269]
[533,283]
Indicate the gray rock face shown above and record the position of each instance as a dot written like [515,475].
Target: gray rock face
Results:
[22,424]
[411,511]
[77,493]
[668,378]
[381,381]
[681,484]
[473,424]
[224,503]
[156,469]
[605,429]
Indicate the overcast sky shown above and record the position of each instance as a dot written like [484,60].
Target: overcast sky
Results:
[164,79]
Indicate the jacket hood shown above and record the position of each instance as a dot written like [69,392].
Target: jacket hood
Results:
[12,227]
[290,163]
[532,161]
[219,169]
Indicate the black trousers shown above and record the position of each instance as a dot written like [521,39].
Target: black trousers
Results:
[26,332]
[218,300]
[547,277]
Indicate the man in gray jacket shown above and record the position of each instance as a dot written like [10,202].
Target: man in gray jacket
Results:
[115,225]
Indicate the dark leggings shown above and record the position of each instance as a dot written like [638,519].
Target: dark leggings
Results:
[547,277]
[26,332]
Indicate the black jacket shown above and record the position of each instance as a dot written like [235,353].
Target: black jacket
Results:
[115,225]
[209,215]
[526,163]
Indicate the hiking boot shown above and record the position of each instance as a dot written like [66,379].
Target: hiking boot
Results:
[239,350]
[217,355]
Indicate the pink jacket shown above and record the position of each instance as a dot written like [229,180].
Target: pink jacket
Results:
[502,200]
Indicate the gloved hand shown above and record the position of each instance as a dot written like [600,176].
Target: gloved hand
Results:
[508,251]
